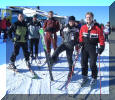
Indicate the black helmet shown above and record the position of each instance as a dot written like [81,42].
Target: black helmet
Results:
[71,18]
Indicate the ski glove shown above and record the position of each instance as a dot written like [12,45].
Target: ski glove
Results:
[101,49]
[13,39]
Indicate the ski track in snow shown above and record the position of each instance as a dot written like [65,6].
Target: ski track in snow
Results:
[23,84]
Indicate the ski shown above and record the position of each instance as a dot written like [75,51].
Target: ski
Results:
[65,85]
[69,78]
[41,31]
[81,87]
[49,66]
[16,71]
[35,76]
[91,88]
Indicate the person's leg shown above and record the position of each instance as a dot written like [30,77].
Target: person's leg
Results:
[15,53]
[84,62]
[54,42]
[69,53]
[107,37]
[48,44]
[25,51]
[31,47]
[93,59]
[36,47]
[56,53]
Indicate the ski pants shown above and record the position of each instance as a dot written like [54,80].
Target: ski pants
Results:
[106,37]
[48,40]
[17,46]
[34,42]
[69,53]
[89,51]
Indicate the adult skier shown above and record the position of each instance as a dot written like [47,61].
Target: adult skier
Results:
[20,30]
[4,28]
[70,39]
[51,26]
[89,36]
[34,35]
[107,31]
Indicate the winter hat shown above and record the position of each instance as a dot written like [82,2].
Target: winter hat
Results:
[35,16]
[71,18]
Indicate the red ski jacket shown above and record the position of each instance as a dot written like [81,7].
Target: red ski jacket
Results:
[51,26]
[93,37]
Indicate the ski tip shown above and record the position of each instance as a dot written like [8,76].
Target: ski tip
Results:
[36,77]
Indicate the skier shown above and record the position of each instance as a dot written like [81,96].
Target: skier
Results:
[89,36]
[19,28]
[4,28]
[34,35]
[107,31]
[70,36]
[51,26]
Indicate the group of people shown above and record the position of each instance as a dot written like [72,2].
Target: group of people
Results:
[85,38]
[4,26]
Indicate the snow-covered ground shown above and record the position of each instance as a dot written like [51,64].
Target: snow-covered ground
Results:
[2,69]
[23,83]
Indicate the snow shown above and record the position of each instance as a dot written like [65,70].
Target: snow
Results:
[22,83]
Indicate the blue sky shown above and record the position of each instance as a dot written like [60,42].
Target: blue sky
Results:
[101,13]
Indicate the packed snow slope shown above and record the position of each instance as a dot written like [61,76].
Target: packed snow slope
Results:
[22,83]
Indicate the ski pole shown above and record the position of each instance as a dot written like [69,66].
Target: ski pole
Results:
[100,75]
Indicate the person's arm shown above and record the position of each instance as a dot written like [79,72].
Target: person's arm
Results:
[101,41]
[101,37]
[80,36]
[11,30]
[40,24]
[57,26]
[27,32]
[109,30]
[45,25]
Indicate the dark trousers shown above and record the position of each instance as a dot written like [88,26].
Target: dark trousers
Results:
[17,46]
[34,42]
[69,53]
[89,51]
[106,37]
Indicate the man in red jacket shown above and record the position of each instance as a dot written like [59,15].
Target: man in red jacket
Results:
[51,26]
[90,35]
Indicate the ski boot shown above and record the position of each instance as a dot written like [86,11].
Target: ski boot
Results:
[12,67]
[28,65]
[93,82]
[84,80]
